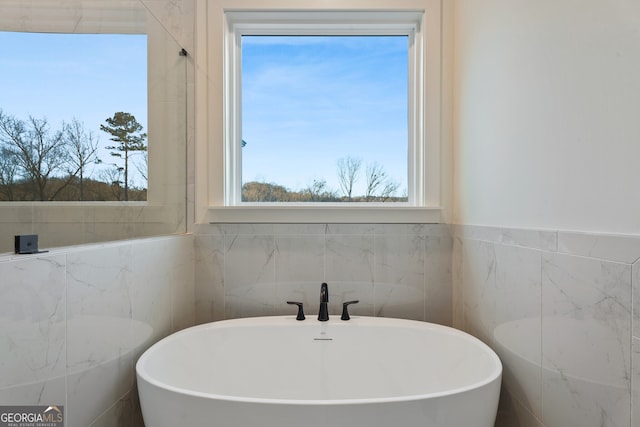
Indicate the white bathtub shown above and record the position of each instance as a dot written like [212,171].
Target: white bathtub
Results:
[279,372]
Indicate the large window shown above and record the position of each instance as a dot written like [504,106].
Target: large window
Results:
[93,98]
[324,118]
[320,115]
[73,117]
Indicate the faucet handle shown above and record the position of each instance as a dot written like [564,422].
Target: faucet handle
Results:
[345,311]
[300,315]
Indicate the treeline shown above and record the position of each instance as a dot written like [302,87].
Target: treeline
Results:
[92,190]
[269,192]
[378,187]
[38,163]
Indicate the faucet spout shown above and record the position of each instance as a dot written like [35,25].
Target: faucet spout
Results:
[323,313]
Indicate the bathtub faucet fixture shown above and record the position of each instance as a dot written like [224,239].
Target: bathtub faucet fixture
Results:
[323,314]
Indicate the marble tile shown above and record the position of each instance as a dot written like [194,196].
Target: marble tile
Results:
[169,13]
[299,229]
[350,229]
[249,259]
[51,391]
[457,288]
[182,273]
[399,276]
[478,275]
[477,232]
[99,281]
[635,308]
[299,258]
[349,258]
[249,275]
[232,230]
[299,291]
[511,413]
[439,230]
[251,300]
[586,327]
[403,301]
[349,270]
[200,230]
[33,353]
[528,238]
[299,271]
[119,414]
[115,17]
[58,225]
[108,223]
[518,283]
[9,228]
[534,239]
[151,291]
[397,229]
[30,16]
[635,382]
[517,334]
[137,420]
[153,222]
[90,392]
[209,278]
[438,279]
[609,247]
[100,338]
[340,292]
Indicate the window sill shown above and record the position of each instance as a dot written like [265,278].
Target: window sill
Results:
[379,214]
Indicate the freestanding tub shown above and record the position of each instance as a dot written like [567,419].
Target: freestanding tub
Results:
[279,372]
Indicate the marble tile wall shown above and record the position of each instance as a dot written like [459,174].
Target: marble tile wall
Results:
[74,321]
[562,311]
[395,270]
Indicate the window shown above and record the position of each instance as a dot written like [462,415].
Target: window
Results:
[58,90]
[93,60]
[324,118]
[263,124]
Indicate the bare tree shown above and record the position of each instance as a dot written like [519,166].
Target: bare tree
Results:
[8,173]
[319,191]
[348,169]
[143,167]
[379,185]
[388,189]
[39,154]
[82,145]
[375,178]
[114,178]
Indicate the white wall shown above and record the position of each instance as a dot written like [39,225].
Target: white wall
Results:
[547,114]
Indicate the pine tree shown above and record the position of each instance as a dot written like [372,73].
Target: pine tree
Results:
[127,133]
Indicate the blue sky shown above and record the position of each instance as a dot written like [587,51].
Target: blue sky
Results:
[62,76]
[308,101]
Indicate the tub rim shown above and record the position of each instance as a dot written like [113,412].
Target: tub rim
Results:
[496,374]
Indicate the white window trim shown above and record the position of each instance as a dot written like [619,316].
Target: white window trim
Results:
[222,195]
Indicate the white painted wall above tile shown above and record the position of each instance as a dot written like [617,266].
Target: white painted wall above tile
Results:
[546,114]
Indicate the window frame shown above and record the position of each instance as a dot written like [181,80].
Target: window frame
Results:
[223,193]
[63,223]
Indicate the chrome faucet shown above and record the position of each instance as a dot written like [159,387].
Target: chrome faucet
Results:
[323,314]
